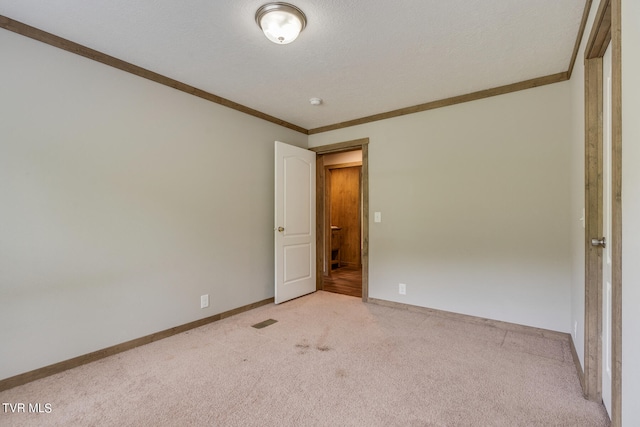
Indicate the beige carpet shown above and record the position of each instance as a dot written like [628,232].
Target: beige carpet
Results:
[330,360]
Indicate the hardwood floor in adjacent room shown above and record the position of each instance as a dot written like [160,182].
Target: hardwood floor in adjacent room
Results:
[345,280]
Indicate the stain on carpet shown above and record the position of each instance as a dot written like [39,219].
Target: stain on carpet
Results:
[303,347]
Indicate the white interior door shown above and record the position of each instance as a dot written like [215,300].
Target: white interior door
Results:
[295,217]
[606,229]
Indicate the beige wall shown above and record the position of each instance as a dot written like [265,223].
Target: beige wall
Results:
[630,212]
[475,206]
[122,201]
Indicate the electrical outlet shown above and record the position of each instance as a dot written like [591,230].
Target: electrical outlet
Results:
[575,329]
[402,289]
[204,301]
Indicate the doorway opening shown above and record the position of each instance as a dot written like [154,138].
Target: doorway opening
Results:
[342,217]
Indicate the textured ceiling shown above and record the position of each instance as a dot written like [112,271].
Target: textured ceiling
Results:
[362,57]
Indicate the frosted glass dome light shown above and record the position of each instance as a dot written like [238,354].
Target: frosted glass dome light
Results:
[280,22]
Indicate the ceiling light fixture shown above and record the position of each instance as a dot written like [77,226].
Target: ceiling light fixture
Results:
[281,22]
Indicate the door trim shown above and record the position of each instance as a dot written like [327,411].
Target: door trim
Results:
[356,144]
[606,29]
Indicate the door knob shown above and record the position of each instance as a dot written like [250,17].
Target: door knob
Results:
[599,242]
[280,229]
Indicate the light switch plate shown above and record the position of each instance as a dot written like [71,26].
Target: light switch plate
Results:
[377,217]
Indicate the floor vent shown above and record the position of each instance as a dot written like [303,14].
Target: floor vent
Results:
[264,324]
